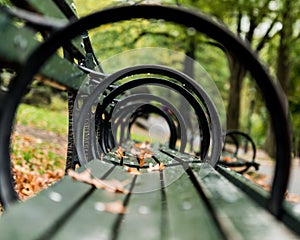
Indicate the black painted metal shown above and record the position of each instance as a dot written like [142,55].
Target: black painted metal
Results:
[234,134]
[147,108]
[184,80]
[272,95]
[122,114]
[199,111]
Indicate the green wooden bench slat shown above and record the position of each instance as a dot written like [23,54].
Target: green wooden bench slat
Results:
[31,219]
[101,224]
[23,44]
[256,192]
[45,7]
[239,215]
[17,43]
[38,215]
[291,215]
[189,216]
[87,222]
[63,72]
[50,9]
[199,204]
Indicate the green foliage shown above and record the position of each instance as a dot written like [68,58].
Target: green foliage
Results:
[5,2]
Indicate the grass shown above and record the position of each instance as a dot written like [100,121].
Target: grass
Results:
[52,118]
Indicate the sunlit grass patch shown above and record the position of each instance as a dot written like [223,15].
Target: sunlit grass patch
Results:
[51,118]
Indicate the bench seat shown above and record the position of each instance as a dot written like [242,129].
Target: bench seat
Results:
[189,200]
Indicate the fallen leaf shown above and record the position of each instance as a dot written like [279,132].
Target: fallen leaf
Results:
[84,176]
[157,167]
[116,207]
[109,185]
[120,152]
[292,197]
[141,160]
[133,171]
[227,159]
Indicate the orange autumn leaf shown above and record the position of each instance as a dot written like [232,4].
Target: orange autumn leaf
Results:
[116,207]
[109,185]
[133,171]
[141,160]
[120,152]
[157,167]
[227,159]
[84,176]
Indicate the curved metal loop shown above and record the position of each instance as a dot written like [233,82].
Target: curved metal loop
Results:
[180,77]
[233,133]
[121,110]
[272,95]
[203,126]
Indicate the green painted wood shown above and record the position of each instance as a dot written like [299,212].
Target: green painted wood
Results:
[45,212]
[189,217]
[143,220]
[240,216]
[103,225]
[33,218]
[176,203]
[89,223]
[291,216]
[17,43]
[20,42]
[48,8]
[254,191]
[63,72]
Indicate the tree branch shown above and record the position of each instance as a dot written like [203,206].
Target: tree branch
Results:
[266,36]
[239,22]
[264,10]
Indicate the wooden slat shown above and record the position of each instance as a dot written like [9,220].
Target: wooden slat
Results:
[240,217]
[48,8]
[40,215]
[20,42]
[179,202]
[257,193]
[33,218]
[175,212]
[189,217]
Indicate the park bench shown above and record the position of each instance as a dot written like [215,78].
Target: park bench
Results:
[237,157]
[117,193]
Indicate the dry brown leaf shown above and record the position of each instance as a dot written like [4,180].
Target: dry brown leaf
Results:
[116,207]
[109,185]
[292,197]
[120,152]
[142,150]
[84,176]
[227,159]
[133,171]
[141,160]
[157,167]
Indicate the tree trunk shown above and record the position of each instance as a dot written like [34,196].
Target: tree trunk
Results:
[188,68]
[237,74]
[283,67]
